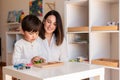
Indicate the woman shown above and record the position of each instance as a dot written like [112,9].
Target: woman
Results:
[52,35]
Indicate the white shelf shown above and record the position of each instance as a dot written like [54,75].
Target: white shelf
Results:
[14,23]
[13,32]
[115,68]
[102,41]
[79,42]
[79,32]
[11,38]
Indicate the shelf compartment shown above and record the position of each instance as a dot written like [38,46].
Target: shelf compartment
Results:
[104,28]
[106,62]
[14,23]
[79,42]
[77,29]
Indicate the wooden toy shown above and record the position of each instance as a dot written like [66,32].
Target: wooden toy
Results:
[48,64]
[39,61]
[22,66]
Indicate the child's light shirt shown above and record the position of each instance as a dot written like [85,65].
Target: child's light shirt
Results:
[24,51]
[53,52]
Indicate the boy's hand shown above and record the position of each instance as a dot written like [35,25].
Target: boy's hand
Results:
[37,60]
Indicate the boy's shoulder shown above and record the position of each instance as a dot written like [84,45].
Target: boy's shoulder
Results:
[19,41]
[39,39]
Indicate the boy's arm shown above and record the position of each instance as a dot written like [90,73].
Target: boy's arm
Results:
[37,58]
[18,55]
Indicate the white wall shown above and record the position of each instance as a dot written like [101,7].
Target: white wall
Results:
[59,6]
[8,5]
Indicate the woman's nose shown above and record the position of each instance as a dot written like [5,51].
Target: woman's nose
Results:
[51,25]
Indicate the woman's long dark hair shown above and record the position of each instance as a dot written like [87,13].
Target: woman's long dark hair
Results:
[59,33]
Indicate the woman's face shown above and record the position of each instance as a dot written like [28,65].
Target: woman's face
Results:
[50,24]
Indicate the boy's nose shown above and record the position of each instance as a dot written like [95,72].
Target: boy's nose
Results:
[33,36]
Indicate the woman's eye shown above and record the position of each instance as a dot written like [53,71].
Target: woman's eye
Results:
[48,21]
[54,24]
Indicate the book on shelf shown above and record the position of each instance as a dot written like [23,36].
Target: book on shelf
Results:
[14,16]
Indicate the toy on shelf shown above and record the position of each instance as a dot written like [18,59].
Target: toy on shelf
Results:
[79,59]
[22,16]
[14,16]
[113,23]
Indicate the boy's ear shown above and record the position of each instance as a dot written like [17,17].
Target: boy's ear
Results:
[22,32]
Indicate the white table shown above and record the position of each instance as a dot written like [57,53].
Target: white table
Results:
[68,71]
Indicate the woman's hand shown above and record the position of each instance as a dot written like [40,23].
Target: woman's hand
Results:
[37,60]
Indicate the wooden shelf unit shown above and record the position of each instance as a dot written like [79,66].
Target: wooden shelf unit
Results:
[102,41]
[11,37]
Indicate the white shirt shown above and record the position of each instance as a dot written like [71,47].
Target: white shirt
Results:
[53,52]
[24,51]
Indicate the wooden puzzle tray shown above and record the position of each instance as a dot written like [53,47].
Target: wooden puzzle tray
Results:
[49,64]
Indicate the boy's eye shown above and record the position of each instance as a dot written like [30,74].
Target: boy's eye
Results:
[36,33]
[30,33]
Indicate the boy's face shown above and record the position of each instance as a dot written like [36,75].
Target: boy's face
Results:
[30,36]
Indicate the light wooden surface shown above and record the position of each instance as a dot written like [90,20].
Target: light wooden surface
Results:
[77,29]
[106,62]
[49,64]
[104,28]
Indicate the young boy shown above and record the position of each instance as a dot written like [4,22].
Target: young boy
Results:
[28,49]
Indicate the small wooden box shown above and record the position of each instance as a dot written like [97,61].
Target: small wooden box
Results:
[77,29]
[106,62]
[104,28]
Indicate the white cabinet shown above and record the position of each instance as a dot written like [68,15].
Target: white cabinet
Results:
[11,37]
[93,31]
[77,22]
